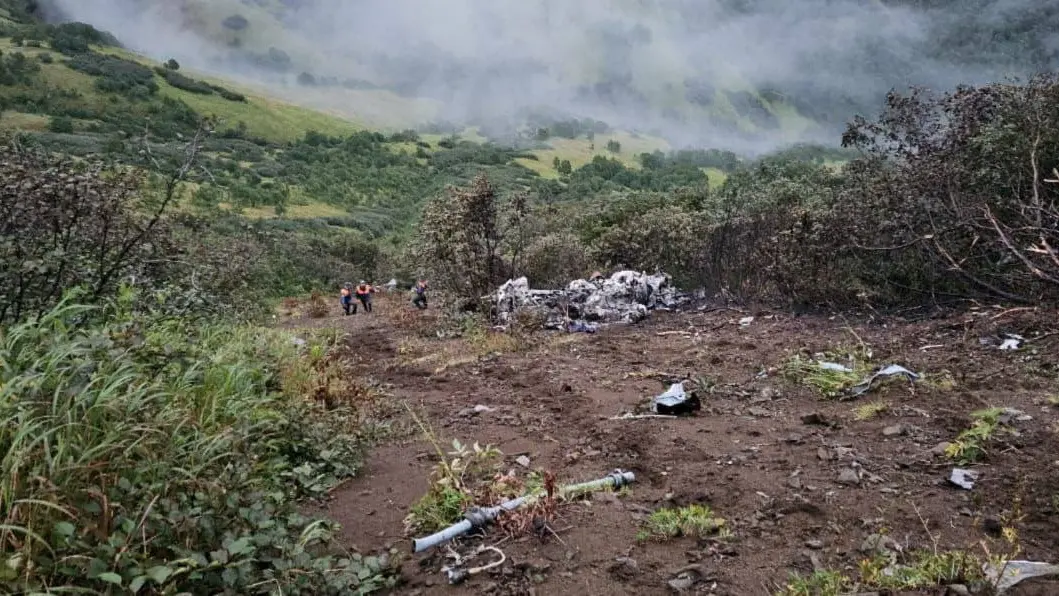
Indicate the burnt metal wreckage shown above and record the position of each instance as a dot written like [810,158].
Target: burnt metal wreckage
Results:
[584,305]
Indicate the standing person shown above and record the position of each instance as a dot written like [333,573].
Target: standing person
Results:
[347,298]
[364,291]
[420,298]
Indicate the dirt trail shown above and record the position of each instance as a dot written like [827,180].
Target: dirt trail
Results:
[753,454]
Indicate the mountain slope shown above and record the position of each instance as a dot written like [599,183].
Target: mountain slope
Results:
[735,73]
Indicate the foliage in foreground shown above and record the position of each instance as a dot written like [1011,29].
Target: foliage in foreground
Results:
[156,458]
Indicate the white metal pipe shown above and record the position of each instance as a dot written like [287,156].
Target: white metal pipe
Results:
[478,517]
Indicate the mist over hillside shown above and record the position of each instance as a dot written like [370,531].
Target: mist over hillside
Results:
[741,74]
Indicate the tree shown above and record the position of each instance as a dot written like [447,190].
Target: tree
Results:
[470,241]
[613,146]
[565,168]
[172,64]
[955,190]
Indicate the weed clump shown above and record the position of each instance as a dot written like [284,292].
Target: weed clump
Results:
[921,571]
[451,482]
[697,521]
[826,375]
[970,445]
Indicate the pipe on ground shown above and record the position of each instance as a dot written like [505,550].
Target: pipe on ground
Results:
[478,517]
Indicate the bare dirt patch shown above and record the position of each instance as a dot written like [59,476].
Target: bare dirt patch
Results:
[801,480]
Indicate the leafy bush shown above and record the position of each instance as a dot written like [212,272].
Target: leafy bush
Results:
[115,75]
[61,124]
[66,224]
[16,69]
[952,195]
[180,81]
[164,457]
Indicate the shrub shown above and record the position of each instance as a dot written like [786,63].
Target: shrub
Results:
[16,69]
[555,259]
[115,75]
[952,195]
[180,81]
[62,124]
[67,224]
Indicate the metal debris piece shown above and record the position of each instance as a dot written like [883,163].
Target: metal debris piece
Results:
[1005,575]
[675,401]
[962,478]
[889,371]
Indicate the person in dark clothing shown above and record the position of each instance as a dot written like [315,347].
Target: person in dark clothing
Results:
[420,297]
[364,291]
[347,298]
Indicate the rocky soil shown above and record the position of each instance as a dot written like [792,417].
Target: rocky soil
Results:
[804,482]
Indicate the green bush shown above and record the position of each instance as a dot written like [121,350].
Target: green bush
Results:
[16,69]
[180,81]
[161,457]
[116,75]
[61,124]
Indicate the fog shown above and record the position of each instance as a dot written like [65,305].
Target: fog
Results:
[656,66]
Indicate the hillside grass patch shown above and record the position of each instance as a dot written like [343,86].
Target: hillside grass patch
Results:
[150,454]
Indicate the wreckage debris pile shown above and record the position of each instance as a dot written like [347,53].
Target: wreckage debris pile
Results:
[624,297]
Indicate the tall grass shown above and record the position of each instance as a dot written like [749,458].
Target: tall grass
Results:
[154,458]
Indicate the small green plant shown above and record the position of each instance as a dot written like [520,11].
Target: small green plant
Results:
[821,583]
[969,445]
[696,521]
[870,410]
[450,491]
[942,380]
[923,570]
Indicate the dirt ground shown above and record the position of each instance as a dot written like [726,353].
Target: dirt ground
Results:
[801,481]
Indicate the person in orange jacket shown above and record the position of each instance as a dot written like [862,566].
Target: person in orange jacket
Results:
[364,292]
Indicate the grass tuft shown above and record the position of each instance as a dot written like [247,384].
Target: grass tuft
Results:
[697,521]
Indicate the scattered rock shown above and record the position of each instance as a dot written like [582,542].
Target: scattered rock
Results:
[758,411]
[686,578]
[894,430]
[480,409]
[879,544]
[624,568]
[815,418]
[848,476]
[766,394]
[941,448]
[814,544]
[794,482]
[523,461]
[957,590]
